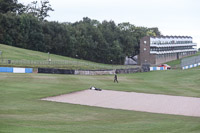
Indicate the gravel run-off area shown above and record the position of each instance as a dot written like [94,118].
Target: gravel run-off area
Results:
[154,103]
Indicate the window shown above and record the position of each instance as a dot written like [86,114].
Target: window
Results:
[145,49]
[145,42]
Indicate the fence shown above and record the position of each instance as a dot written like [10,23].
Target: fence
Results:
[190,62]
[64,64]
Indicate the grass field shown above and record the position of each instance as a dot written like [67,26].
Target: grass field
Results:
[21,111]
[24,56]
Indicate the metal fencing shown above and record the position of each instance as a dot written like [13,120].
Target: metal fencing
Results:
[39,62]
[64,63]
[190,61]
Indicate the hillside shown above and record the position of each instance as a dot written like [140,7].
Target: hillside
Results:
[29,58]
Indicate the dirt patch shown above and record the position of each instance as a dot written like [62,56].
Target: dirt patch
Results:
[177,105]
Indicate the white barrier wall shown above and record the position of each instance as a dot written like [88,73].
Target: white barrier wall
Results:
[157,68]
[18,70]
[191,66]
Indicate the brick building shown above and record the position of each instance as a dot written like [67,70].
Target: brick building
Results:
[157,50]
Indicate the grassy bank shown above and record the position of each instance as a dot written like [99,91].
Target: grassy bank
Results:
[21,111]
[27,58]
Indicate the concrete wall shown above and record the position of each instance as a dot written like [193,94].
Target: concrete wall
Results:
[169,57]
[131,70]
[88,72]
[94,72]
[165,58]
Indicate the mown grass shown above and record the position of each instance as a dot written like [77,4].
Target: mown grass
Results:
[21,111]
[24,55]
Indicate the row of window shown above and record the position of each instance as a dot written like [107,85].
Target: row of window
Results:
[170,42]
[170,48]
[174,54]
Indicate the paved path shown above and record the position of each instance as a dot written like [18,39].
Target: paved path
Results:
[154,103]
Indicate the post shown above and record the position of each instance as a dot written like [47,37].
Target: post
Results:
[76,60]
[111,63]
[48,56]
[49,60]
[1,53]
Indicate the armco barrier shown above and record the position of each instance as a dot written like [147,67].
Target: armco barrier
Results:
[157,68]
[191,66]
[16,70]
[55,71]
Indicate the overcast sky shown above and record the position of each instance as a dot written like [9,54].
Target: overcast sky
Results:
[172,17]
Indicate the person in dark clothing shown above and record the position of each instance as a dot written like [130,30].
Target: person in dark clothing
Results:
[115,78]
[94,88]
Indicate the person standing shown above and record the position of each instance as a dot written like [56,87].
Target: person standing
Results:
[115,78]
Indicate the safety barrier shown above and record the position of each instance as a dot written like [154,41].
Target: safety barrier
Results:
[190,62]
[55,71]
[191,66]
[87,72]
[157,68]
[16,70]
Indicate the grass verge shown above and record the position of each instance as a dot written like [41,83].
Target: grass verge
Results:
[21,111]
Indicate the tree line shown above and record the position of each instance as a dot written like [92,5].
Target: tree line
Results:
[104,42]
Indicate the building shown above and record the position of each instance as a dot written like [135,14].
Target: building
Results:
[157,50]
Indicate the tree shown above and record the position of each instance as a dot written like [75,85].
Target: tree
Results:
[90,39]
[127,38]
[11,6]
[45,8]
[155,31]
[39,10]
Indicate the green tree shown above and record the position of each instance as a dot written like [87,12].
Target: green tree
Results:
[87,39]
[156,31]
[127,38]
[11,6]
[39,10]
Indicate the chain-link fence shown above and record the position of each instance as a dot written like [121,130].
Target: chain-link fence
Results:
[40,62]
[190,61]
[63,64]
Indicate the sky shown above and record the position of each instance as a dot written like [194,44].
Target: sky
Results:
[172,17]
